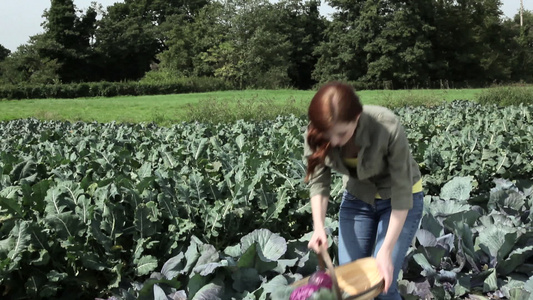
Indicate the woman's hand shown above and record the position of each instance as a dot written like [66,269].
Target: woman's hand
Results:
[318,239]
[385,267]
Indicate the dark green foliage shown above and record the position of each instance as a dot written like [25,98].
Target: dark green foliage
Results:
[26,66]
[67,40]
[472,36]
[131,35]
[127,43]
[383,43]
[397,52]
[521,46]
[406,44]
[390,44]
[4,52]
[304,27]
[112,89]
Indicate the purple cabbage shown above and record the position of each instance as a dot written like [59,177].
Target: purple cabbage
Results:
[321,279]
[303,292]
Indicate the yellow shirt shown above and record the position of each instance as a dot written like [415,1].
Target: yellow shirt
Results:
[352,163]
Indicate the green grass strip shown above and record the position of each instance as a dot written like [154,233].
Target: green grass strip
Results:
[168,109]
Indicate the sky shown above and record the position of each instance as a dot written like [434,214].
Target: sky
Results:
[20,19]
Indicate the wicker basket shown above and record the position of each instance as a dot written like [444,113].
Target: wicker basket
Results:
[358,280]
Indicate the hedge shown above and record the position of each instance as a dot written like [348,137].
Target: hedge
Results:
[111,89]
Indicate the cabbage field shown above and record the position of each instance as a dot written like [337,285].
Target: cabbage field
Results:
[220,211]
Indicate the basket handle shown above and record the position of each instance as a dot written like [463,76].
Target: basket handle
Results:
[324,260]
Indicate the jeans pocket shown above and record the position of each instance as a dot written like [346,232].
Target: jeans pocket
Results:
[347,196]
[351,202]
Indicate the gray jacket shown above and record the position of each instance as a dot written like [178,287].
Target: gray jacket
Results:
[385,163]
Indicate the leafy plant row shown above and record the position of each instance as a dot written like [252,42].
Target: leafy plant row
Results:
[462,250]
[86,208]
[467,139]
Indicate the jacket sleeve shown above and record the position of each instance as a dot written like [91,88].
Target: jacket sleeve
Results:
[320,179]
[399,162]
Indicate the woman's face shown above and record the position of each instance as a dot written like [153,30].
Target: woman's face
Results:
[341,133]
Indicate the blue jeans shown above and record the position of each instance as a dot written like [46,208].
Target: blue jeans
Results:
[362,229]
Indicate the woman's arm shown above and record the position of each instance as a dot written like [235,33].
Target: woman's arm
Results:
[319,205]
[397,219]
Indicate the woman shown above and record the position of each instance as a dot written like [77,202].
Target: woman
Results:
[383,200]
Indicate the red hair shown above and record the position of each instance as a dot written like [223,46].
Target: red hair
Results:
[334,102]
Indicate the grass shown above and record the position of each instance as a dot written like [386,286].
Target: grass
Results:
[508,95]
[168,109]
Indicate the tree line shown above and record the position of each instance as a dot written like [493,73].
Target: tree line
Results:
[259,44]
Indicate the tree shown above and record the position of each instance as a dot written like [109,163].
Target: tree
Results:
[260,49]
[418,42]
[242,41]
[401,49]
[470,46]
[27,66]
[188,42]
[491,41]
[68,40]
[4,52]
[521,46]
[377,41]
[133,33]
[126,44]
[341,54]
[302,23]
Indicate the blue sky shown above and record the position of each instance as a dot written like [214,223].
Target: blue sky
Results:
[20,19]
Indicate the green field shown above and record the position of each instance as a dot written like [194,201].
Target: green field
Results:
[221,211]
[167,109]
